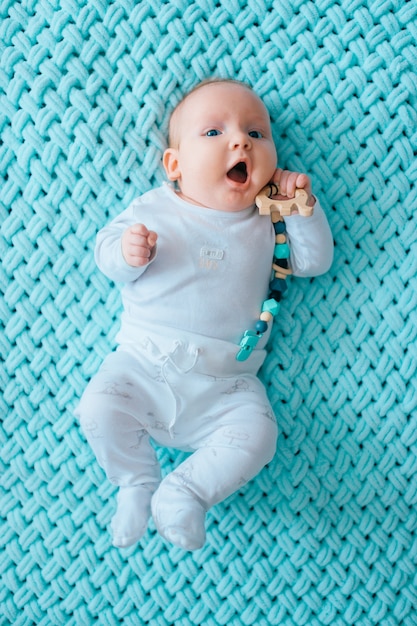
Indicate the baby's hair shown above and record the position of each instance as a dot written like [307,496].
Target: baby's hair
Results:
[197,87]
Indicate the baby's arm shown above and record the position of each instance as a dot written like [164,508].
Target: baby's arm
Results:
[125,247]
[310,238]
[311,243]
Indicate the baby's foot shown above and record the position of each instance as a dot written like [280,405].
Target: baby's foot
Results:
[179,517]
[131,518]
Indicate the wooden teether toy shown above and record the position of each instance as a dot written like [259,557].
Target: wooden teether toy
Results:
[266,204]
[280,264]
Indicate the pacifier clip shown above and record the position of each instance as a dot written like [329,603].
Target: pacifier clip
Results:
[280,264]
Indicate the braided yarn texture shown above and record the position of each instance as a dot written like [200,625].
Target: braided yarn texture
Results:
[326,534]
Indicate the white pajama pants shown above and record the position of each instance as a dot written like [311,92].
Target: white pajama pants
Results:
[173,396]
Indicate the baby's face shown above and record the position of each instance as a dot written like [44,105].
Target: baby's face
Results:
[224,152]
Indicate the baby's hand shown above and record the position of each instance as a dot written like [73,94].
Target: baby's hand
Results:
[288,182]
[137,245]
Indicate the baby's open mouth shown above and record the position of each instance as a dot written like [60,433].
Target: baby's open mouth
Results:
[238,173]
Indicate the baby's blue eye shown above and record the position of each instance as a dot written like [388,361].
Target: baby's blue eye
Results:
[212,132]
[255,134]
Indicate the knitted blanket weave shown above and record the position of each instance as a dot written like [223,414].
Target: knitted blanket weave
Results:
[326,534]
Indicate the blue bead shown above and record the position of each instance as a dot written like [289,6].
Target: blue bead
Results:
[261,327]
[278,284]
[279,228]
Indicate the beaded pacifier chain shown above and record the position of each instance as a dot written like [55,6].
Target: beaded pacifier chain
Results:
[280,264]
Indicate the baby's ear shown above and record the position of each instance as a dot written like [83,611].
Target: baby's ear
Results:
[171,164]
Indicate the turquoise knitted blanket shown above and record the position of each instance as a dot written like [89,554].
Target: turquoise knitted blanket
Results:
[326,534]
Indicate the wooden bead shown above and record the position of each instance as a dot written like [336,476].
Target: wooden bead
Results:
[283,271]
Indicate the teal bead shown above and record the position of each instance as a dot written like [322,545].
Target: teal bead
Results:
[261,327]
[279,228]
[271,306]
[278,284]
[282,251]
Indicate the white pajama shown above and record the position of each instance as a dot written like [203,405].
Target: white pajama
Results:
[175,398]
[174,377]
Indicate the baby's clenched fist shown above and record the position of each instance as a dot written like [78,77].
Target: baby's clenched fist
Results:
[138,244]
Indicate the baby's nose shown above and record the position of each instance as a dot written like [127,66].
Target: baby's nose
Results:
[240,140]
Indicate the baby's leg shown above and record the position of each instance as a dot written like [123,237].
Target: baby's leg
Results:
[108,415]
[234,453]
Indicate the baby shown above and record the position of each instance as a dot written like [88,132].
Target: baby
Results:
[195,258]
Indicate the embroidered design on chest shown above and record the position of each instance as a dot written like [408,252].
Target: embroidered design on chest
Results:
[210,257]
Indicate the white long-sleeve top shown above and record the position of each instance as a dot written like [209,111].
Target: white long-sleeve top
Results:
[211,271]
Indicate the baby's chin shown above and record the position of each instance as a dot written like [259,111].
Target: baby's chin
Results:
[235,202]
[229,198]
